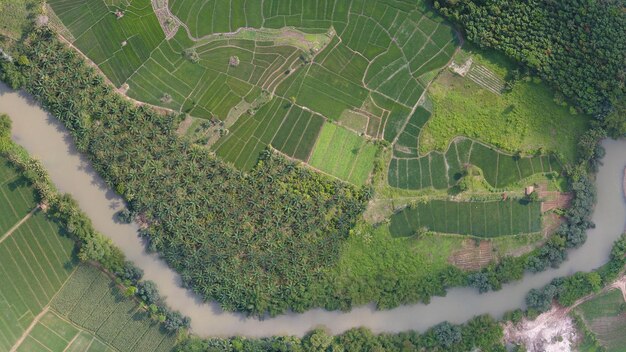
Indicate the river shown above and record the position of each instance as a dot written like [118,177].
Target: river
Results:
[45,138]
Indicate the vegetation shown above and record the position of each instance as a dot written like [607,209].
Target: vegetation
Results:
[16,16]
[63,211]
[343,154]
[523,119]
[567,290]
[92,301]
[284,222]
[581,49]
[481,333]
[443,170]
[602,320]
[482,219]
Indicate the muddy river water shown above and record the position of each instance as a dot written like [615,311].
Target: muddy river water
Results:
[45,138]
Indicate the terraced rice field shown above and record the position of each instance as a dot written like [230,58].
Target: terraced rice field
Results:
[343,154]
[480,219]
[604,316]
[363,61]
[443,170]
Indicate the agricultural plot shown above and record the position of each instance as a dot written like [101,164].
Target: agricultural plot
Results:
[89,300]
[443,170]
[53,333]
[16,197]
[343,154]
[361,63]
[604,316]
[481,219]
[286,127]
[35,261]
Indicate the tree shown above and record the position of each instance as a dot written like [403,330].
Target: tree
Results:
[447,334]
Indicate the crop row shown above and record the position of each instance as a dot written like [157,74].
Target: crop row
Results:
[482,219]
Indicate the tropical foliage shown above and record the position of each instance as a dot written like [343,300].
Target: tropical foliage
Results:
[579,46]
[254,242]
[481,333]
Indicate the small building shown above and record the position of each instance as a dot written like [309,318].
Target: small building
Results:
[529,190]
[119,14]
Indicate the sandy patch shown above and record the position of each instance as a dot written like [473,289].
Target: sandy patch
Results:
[552,331]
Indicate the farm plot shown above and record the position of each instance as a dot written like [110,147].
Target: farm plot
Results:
[481,219]
[16,197]
[119,46]
[343,154]
[358,62]
[286,127]
[443,170]
[35,261]
[604,316]
[53,333]
[90,301]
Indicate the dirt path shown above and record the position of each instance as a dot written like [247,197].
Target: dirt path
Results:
[16,226]
[29,329]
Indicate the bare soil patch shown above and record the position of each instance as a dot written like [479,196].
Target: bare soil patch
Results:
[472,256]
[552,331]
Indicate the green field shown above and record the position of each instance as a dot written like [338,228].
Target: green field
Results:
[442,171]
[90,301]
[368,60]
[16,197]
[524,119]
[481,219]
[53,333]
[343,154]
[37,266]
[604,316]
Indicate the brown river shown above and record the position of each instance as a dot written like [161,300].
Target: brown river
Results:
[45,138]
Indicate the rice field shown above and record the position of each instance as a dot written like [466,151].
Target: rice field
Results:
[443,170]
[344,154]
[480,219]
[216,60]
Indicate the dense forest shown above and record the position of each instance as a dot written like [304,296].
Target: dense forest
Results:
[579,46]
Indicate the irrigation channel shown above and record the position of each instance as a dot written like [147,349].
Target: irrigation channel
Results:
[44,137]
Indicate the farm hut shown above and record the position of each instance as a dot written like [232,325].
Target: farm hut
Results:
[529,190]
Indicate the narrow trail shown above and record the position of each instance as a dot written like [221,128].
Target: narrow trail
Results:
[29,329]
[16,226]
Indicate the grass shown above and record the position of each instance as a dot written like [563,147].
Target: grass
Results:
[604,316]
[15,16]
[372,261]
[524,119]
[481,219]
[343,154]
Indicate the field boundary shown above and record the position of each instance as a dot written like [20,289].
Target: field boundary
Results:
[30,328]
[20,223]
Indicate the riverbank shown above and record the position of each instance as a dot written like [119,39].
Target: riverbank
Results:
[47,140]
